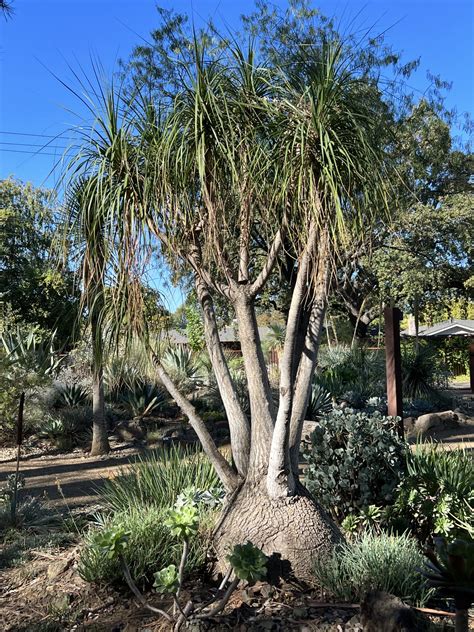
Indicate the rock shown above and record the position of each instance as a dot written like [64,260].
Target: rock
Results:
[130,431]
[57,568]
[424,423]
[382,612]
[409,425]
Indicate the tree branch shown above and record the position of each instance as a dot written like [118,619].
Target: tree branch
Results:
[307,365]
[280,481]
[270,261]
[229,478]
[238,423]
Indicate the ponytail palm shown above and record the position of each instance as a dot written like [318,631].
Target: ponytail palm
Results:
[249,163]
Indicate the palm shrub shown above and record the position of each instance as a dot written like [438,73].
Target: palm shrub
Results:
[374,562]
[436,495]
[355,459]
[157,478]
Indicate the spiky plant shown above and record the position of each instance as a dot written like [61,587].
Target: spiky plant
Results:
[450,570]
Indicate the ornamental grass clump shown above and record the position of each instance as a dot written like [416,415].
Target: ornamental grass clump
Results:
[374,562]
[355,460]
[159,477]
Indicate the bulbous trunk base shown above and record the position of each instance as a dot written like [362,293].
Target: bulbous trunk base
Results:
[292,531]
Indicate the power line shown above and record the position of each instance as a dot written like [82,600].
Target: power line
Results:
[36,153]
[47,145]
[38,135]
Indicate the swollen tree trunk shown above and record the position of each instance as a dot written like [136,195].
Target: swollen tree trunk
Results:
[292,531]
[100,440]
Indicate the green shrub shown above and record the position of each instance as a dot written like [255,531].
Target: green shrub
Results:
[68,428]
[30,512]
[355,460]
[159,477]
[150,545]
[374,562]
[437,493]
[351,374]
[423,375]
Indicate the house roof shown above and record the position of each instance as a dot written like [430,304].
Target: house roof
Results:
[452,327]
[226,334]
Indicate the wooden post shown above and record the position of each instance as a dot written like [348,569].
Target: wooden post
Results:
[19,441]
[471,365]
[393,363]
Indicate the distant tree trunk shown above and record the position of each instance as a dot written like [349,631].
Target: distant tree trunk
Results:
[100,440]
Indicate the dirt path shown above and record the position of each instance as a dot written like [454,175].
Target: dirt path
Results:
[74,478]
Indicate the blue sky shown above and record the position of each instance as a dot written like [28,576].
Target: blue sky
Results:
[46,36]
[51,37]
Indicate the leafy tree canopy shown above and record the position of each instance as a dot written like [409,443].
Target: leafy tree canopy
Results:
[34,286]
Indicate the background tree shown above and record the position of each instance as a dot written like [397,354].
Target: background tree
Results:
[36,286]
[86,225]
[424,256]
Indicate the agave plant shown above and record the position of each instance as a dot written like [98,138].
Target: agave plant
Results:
[451,571]
[31,350]
[320,403]
[73,395]
[144,398]
[183,367]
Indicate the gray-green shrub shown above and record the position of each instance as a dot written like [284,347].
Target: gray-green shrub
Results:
[374,562]
[355,460]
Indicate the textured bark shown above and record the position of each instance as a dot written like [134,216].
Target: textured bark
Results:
[292,531]
[239,426]
[261,404]
[227,475]
[100,440]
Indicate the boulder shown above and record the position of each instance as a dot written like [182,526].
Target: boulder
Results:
[382,612]
[430,421]
[130,431]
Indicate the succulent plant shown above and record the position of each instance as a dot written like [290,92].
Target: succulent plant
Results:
[182,520]
[167,580]
[248,562]
[113,542]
